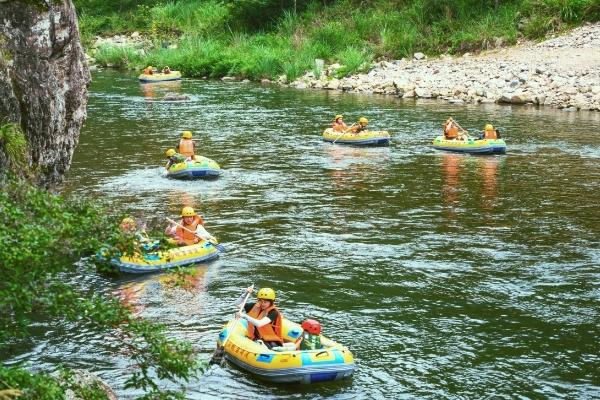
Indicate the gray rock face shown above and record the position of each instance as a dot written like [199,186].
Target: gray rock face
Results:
[43,81]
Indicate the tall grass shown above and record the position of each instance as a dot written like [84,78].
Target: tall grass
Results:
[118,56]
[14,144]
[266,38]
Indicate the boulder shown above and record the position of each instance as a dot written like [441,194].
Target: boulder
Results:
[43,88]
[419,56]
[300,85]
[505,98]
[423,93]
[521,98]
[333,84]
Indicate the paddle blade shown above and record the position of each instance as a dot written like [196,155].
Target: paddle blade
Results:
[218,355]
[220,247]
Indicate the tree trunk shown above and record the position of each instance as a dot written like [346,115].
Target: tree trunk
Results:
[43,81]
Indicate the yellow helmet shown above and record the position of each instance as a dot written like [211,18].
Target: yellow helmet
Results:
[186,134]
[128,224]
[489,127]
[363,120]
[188,212]
[266,293]
[338,116]
[170,152]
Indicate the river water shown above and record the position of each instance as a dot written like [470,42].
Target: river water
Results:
[448,276]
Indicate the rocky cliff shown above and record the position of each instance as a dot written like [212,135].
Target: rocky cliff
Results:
[43,82]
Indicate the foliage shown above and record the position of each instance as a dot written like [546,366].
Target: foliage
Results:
[266,38]
[41,235]
[14,145]
[118,56]
[353,61]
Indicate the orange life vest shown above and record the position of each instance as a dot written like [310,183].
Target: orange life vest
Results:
[490,134]
[188,237]
[186,147]
[451,131]
[269,332]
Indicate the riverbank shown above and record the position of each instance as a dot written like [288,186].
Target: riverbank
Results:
[266,39]
[561,72]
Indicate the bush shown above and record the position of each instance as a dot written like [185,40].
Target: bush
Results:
[117,56]
[264,38]
[41,236]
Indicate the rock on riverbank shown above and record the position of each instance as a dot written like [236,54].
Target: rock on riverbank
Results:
[562,72]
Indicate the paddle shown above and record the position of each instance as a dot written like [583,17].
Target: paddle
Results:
[217,357]
[344,131]
[210,238]
[462,129]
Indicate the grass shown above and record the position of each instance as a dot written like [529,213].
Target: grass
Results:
[263,39]
[14,145]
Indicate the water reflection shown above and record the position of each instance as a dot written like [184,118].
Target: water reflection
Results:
[167,288]
[487,168]
[154,90]
[352,168]
[452,167]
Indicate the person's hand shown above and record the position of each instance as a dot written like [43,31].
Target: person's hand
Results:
[250,289]
[196,239]
[239,315]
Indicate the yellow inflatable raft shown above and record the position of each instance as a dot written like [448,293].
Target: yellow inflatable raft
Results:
[364,138]
[156,261]
[160,77]
[470,145]
[200,167]
[332,362]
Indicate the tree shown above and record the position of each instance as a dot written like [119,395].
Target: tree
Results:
[41,235]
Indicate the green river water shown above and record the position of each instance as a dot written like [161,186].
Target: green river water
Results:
[448,276]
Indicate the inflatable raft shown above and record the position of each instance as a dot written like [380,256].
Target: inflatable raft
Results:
[159,260]
[160,77]
[364,138]
[332,362]
[200,167]
[471,145]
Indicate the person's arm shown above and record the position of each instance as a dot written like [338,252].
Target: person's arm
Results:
[256,322]
[268,319]
[240,299]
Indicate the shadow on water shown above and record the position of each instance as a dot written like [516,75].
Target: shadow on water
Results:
[448,276]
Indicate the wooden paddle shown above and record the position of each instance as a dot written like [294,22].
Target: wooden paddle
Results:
[344,131]
[208,237]
[461,128]
[217,357]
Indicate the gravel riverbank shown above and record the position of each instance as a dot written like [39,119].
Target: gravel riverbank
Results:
[561,72]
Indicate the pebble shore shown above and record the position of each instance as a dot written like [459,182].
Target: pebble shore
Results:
[561,72]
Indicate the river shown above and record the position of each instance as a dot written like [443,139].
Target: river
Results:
[448,276]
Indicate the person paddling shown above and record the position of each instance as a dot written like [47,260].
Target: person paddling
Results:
[360,126]
[264,319]
[490,133]
[186,232]
[338,123]
[174,158]
[453,131]
[186,145]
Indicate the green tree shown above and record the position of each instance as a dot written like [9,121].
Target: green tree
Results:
[41,236]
